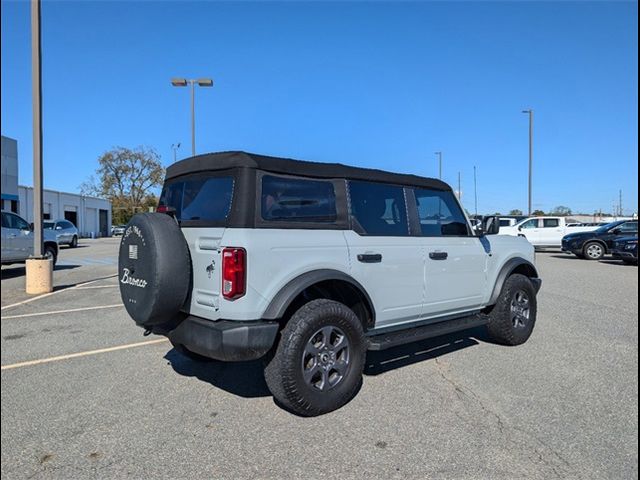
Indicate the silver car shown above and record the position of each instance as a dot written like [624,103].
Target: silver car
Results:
[17,240]
[65,231]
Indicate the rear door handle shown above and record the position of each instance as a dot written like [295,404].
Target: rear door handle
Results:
[369,257]
[438,255]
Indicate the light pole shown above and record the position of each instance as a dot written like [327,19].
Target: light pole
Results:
[175,147]
[475,190]
[530,113]
[439,154]
[201,82]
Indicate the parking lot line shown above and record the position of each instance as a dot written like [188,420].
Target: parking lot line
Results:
[57,291]
[62,311]
[96,286]
[81,354]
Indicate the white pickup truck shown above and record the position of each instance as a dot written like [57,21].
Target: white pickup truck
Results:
[544,231]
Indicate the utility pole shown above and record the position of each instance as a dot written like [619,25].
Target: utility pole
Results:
[620,203]
[439,154]
[475,190]
[175,148]
[530,113]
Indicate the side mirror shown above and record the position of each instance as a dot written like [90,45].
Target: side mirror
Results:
[616,231]
[489,226]
[31,227]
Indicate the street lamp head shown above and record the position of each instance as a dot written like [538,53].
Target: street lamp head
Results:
[526,111]
[205,82]
[179,82]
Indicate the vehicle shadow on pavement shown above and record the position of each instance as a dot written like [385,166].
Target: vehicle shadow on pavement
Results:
[245,379]
[386,360]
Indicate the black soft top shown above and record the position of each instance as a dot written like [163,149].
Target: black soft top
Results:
[236,159]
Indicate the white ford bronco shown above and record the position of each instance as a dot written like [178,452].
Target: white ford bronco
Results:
[309,265]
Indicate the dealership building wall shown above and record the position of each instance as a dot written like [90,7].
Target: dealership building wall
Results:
[91,215]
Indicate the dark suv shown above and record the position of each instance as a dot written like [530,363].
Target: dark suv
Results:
[596,244]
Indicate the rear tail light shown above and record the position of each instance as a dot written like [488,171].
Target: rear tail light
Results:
[234,272]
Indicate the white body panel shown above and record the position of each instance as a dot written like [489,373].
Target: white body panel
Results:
[539,234]
[406,286]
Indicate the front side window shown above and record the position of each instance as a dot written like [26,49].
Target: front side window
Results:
[49,225]
[533,223]
[298,200]
[629,227]
[14,221]
[378,209]
[439,214]
[199,198]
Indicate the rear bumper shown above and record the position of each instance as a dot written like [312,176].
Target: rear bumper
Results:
[225,340]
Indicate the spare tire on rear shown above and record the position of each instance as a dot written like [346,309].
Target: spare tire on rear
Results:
[154,269]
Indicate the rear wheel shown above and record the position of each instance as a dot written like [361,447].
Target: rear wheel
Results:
[513,317]
[317,366]
[594,251]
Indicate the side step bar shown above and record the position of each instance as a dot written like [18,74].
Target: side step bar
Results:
[383,341]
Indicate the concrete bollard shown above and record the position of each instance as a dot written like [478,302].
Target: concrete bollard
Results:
[39,278]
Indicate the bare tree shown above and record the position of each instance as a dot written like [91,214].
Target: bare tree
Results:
[127,178]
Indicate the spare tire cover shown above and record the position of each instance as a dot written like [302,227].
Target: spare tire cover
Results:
[154,269]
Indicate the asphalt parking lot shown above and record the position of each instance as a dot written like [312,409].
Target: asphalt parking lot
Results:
[85,395]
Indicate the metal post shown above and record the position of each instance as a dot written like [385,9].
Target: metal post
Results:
[620,203]
[193,118]
[36,78]
[460,187]
[439,165]
[475,190]
[530,160]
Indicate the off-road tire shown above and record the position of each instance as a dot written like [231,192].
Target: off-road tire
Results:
[284,372]
[502,326]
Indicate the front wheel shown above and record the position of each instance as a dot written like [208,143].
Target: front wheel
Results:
[317,366]
[74,242]
[513,317]
[593,251]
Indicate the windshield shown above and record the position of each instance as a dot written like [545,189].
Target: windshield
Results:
[607,227]
[49,225]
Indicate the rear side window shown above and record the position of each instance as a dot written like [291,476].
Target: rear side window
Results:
[199,198]
[550,223]
[378,209]
[297,200]
[439,214]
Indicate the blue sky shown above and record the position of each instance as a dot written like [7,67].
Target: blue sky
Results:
[381,85]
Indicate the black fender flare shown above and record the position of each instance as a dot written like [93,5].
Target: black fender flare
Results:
[281,301]
[507,269]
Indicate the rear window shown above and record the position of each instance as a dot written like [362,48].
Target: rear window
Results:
[550,223]
[199,198]
[297,200]
[378,209]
